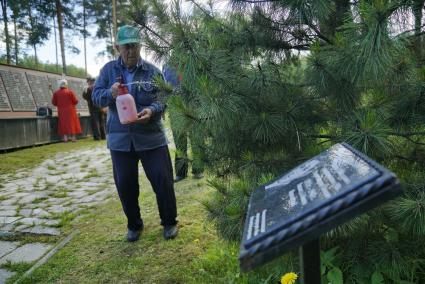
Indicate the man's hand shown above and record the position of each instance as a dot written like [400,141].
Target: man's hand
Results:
[114,90]
[144,115]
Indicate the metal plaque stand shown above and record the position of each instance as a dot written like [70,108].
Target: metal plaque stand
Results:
[310,262]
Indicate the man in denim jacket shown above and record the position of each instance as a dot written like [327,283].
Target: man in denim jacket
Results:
[143,141]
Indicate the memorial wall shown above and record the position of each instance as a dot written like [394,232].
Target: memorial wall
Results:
[23,90]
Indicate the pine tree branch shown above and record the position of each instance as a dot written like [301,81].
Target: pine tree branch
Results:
[319,136]
[406,134]
[314,28]
[404,158]
[412,30]
[413,141]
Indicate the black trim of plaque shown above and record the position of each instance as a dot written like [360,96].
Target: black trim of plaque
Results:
[313,198]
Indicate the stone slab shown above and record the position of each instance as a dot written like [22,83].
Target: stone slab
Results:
[25,212]
[26,253]
[31,221]
[41,230]
[8,220]
[40,213]
[9,213]
[8,207]
[5,274]
[30,198]
[7,247]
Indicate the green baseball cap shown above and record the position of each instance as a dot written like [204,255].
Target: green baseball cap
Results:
[128,34]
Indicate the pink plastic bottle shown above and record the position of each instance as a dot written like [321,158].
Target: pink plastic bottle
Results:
[126,106]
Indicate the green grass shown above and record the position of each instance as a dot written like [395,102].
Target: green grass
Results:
[39,200]
[61,192]
[51,168]
[100,254]
[65,219]
[19,268]
[92,173]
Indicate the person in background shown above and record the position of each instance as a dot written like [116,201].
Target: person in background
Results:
[68,123]
[96,114]
[142,141]
[181,161]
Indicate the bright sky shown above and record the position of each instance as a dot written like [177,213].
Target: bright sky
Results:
[46,53]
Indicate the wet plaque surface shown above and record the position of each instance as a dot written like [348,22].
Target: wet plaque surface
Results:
[54,82]
[18,91]
[39,86]
[4,100]
[313,198]
[78,87]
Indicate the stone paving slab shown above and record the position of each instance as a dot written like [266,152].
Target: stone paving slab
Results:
[5,274]
[26,253]
[34,199]
[7,247]
[8,207]
[41,230]
[9,213]
[8,220]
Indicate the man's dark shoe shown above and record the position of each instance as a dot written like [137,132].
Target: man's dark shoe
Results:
[170,232]
[133,236]
[179,178]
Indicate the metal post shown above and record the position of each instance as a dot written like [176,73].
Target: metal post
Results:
[310,262]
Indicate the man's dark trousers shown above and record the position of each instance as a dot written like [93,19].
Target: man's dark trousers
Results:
[159,171]
[97,124]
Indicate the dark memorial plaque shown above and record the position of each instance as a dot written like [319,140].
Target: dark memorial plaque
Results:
[18,91]
[54,82]
[4,100]
[313,198]
[40,89]
[78,87]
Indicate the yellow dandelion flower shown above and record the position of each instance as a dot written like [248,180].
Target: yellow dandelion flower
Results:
[289,278]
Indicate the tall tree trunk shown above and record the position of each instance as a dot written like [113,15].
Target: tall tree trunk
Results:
[34,45]
[16,40]
[6,30]
[114,25]
[336,18]
[111,36]
[35,56]
[84,37]
[56,45]
[417,8]
[61,38]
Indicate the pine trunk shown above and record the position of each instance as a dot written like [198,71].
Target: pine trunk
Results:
[84,37]
[61,38]
[6,30]
[16,41]
[329,26]
[34,45]
[417,12]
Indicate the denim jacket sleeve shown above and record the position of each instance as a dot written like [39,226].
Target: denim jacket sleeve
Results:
[102,95]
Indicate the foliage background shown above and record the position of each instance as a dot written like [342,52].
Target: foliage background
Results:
[272,83]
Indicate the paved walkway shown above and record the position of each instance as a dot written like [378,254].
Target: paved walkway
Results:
[35,201]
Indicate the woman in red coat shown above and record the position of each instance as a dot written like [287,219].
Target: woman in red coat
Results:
[65,100]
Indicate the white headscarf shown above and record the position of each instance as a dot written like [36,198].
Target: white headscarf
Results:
[63,83]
